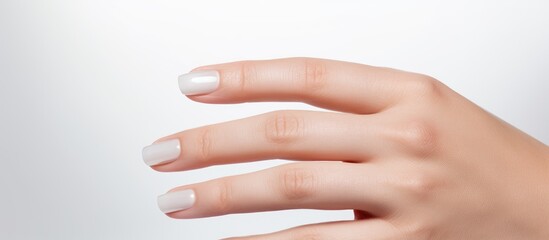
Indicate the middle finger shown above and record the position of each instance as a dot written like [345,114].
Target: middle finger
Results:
[296,135]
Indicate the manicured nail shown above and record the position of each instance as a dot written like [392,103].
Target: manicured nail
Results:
[199,82]
[161,152]
[176,201]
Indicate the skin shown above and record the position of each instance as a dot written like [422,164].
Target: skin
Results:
[413,158]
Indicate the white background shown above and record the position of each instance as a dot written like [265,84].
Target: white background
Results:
[84,85]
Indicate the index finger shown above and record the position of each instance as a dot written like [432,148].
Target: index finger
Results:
[336,85]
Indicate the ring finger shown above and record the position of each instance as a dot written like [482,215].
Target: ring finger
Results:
[319,185]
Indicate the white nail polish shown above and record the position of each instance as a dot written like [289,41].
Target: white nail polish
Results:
[176,201]
[161,152]
[199,82]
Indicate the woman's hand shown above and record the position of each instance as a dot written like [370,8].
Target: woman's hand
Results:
[414,159]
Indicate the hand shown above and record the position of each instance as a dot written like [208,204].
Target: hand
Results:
[414,159]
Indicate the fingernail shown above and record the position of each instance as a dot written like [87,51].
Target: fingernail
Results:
[199,82]
[161,152]
[176,201]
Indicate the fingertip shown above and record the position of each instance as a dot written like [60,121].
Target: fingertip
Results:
[161,152]
[163,167]
[198,82]
[209,98]
[176,201]
[209,84]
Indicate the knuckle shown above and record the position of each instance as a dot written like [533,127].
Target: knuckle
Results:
[297,183]
[425,86]
[420,186]
[283,127]
[224,196]
[204,143]
[418,136]
[248,74]
[314,72]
